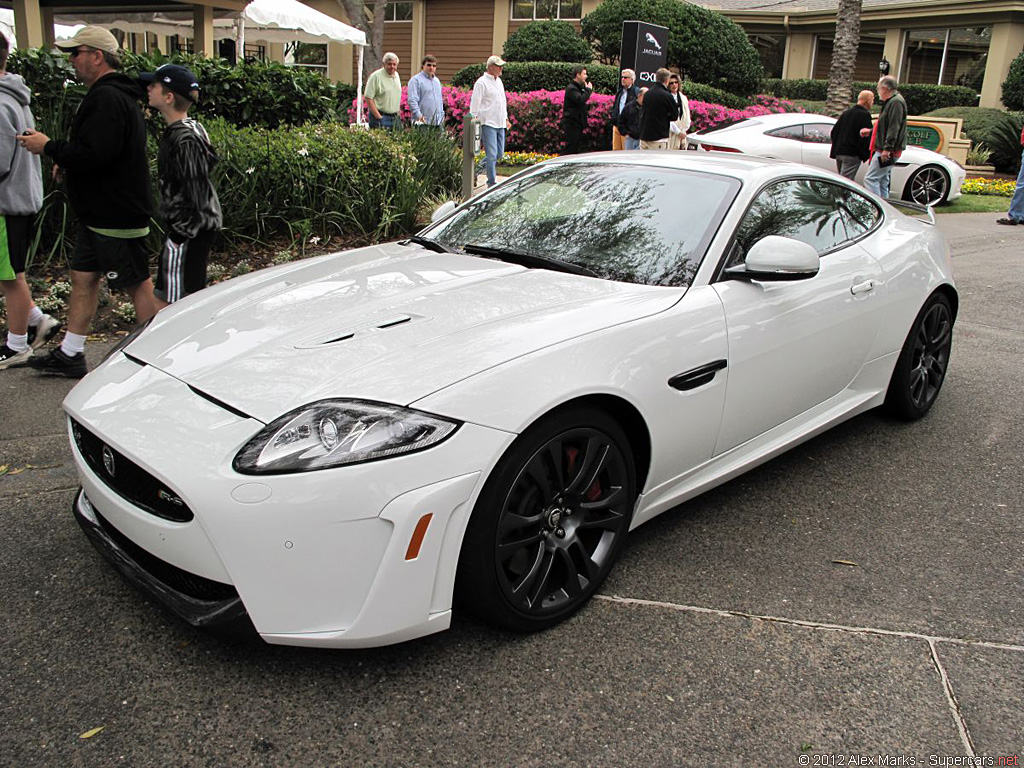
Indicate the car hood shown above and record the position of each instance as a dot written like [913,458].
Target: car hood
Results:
[392,323]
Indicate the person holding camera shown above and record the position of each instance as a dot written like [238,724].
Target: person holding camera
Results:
[575,109]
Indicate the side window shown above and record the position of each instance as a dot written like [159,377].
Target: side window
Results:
[795,132]
[859,214]
[818,133]
[802,209]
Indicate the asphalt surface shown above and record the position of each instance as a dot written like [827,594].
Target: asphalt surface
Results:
[728,634]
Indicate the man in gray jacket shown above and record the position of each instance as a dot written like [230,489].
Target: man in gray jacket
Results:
[889,139]
[21,197]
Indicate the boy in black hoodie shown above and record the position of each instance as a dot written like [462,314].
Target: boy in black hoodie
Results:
[188,201]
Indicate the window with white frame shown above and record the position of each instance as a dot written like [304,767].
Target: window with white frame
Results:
[398,10]
[306,55]
[529,10]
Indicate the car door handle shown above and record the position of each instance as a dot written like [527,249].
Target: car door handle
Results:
[865,287]
[696,377]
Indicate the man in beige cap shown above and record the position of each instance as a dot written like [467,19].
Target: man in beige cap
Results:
[105,168]
[488,105]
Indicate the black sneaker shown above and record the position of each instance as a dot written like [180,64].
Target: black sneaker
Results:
[59,364]
[11,359]
[46,329]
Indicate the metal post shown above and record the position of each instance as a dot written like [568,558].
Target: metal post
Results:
[469,143]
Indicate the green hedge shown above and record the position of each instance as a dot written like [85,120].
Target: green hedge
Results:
[547,41]
[520,77]
[920,97]
[996,129]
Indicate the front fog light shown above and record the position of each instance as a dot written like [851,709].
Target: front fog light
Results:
[331,433]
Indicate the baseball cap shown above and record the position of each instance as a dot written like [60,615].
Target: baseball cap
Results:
[94,37]
[496,60]
[173,77]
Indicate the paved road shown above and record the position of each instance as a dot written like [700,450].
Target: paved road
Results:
[728,634]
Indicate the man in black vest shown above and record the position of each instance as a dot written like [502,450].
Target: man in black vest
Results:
[575,108]
[627,92]
[851,136]
[659,110]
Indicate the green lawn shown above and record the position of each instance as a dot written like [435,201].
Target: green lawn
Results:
[976,204]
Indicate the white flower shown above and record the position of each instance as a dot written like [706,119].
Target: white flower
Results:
[250,170]
[303,151]
[314,240]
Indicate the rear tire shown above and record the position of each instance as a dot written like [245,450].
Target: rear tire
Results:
[550,522]
[921,367]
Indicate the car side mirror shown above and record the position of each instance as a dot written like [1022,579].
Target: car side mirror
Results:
[777,258]
[443,210]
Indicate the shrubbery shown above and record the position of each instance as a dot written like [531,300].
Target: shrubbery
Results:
[547,41]
[996,129]
[706,46]
[1013,85]
[920,97]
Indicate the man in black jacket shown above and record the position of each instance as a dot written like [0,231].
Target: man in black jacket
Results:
[627,92]
[105,168]
[851,136]
[628,123]
[659,110]
[575,108]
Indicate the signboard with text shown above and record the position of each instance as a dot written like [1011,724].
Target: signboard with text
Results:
[644,50]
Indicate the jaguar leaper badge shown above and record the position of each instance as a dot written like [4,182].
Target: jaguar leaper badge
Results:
[108,461]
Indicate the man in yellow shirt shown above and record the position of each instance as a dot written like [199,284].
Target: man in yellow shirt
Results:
[384,94]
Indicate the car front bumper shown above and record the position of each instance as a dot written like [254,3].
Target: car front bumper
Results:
[318,558]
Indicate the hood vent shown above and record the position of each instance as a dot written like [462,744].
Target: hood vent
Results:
[374,326]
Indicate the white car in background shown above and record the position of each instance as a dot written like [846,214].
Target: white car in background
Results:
[920,175]
[344,450]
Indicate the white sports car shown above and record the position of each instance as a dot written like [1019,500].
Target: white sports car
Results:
[343,448]
[920,175]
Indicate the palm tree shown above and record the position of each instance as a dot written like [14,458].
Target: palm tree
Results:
[844,57]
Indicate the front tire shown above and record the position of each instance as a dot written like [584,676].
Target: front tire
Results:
[921,367]
[549,523]
[928,185]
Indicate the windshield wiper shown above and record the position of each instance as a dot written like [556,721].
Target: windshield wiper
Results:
[426,242]
[527,260]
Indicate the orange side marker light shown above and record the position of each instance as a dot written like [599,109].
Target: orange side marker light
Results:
[417,537]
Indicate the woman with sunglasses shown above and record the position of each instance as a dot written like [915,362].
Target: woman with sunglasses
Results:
[679,126]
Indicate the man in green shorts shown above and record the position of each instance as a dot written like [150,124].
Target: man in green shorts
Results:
[105,168]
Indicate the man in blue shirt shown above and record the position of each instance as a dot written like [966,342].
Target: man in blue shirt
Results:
[424,94]
[627,92]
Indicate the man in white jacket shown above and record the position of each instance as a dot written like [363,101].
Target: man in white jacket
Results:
[21,197]
[489,106]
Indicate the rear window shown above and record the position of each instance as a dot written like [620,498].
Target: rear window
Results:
[744,121]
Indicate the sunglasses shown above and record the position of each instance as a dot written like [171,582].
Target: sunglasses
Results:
[77,51]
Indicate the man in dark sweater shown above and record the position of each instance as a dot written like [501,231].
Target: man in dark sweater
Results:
[889,138]
[659,110]
[627,92]
[105,168]
[851,136]
[575,108]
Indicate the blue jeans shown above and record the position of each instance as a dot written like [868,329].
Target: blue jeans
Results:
[1017,201]
[386,121]
[632,143]
[877,177]
[493,140]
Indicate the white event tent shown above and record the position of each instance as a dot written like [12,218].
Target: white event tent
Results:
[276,21]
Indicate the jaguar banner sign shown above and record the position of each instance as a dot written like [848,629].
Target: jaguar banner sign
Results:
[644,49]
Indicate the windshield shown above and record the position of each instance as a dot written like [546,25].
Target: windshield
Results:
[630,223]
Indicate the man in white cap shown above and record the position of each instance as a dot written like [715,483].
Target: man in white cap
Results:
[488,105]
[106,171]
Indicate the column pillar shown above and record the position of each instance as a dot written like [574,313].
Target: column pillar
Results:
[502,9]
[49,35]
[799,57]
[1007,42]
[419,35]
[893,51]
[202,30]
[29,22]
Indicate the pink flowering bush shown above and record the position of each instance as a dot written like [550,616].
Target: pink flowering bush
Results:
[536,117]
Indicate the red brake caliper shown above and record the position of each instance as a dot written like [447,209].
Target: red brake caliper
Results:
[594,491]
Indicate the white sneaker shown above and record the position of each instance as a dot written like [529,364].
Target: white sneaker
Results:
[39,334]
[11,359]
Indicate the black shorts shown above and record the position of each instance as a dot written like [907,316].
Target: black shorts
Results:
[125,262]
[183,267]
[15,235]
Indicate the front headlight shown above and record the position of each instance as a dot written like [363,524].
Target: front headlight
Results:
[330,433]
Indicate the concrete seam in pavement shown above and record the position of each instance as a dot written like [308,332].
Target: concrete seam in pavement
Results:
[954,705]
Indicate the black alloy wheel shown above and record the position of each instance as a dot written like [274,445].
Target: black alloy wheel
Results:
[550,522]
[928,186]
[923,362]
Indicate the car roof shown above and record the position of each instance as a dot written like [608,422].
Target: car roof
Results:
[723,163]
[777,119]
